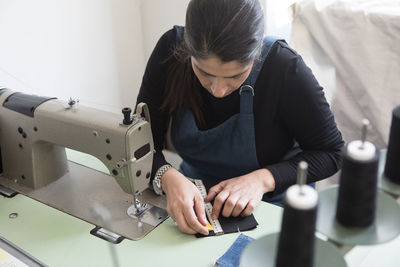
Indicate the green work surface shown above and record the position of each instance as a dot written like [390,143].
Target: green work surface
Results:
[58,239]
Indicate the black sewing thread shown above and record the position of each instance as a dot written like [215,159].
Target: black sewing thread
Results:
[296,240]
[392,166]
[356,203]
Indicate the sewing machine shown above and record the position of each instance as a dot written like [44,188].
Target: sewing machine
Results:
[34,132]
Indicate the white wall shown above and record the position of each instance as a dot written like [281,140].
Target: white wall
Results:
[92,49]
[158,17]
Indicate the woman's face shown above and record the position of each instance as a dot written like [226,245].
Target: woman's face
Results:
[220,78]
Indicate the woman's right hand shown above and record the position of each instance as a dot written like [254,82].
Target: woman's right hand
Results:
[185,205]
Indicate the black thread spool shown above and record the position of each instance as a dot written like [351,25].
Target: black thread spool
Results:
[356,203]
[297,236]
[392,166]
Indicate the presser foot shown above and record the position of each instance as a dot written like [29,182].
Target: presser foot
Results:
[146,213]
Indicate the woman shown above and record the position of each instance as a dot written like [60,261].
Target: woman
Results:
[244,110]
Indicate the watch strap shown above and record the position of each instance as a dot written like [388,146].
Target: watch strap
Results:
[157,179]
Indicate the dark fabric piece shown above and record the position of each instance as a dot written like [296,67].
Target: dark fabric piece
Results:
[231,258]
[289,105]
[234,224]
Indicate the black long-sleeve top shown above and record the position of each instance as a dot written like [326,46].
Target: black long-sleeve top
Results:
[289,105]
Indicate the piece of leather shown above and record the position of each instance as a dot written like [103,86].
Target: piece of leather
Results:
[234,224]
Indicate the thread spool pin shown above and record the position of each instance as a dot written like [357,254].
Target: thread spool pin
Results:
[365,125]
[302,175]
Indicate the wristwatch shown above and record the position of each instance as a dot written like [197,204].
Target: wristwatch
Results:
[157,180]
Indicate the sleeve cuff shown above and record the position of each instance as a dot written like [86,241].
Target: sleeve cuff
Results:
[283,176]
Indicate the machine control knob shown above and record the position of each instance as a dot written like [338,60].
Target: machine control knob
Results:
[127,116]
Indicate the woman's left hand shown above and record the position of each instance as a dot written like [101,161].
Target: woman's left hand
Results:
[240,195]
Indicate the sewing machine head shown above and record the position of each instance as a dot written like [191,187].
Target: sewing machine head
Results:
[34,132]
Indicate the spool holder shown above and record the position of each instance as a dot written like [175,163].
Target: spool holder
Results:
[262,252]
[383,182]
[385,227]
[341,239]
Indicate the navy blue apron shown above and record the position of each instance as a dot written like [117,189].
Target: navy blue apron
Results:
[228,150]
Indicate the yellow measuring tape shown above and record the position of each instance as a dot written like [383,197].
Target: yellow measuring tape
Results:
[213,225]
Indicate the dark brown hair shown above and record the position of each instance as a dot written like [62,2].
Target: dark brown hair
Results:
[231,30]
